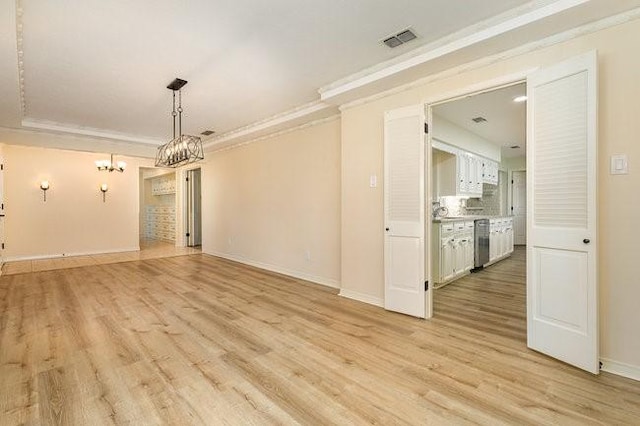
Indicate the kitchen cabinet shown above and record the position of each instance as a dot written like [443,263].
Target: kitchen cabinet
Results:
[490,171]
[453,253]
[160,223]
[500,238]
[163,185]
[458,174]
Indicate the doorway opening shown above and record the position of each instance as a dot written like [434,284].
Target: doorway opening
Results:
[478,152]
[157,221]
[193,208]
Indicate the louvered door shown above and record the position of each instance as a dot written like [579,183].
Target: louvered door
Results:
[562,319]
[404,254]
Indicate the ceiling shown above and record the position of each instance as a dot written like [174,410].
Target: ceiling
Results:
[506,124]
[100,69]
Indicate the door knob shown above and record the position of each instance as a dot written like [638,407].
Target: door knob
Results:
[386,229]
[586,241]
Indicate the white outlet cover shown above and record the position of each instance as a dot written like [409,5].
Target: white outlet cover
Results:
[619,165]
[373,181]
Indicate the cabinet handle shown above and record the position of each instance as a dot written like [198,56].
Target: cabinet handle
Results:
[386,229]
[586,241]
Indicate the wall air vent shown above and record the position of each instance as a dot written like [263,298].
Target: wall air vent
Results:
[402,37]
[207,133]
[479,120]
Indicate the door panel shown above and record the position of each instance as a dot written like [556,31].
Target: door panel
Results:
[562,304]
[404,193]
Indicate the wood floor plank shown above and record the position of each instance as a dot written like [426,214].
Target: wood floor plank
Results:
[202,340]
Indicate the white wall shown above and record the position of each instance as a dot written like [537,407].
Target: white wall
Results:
[74,219]
[451,134]
[619,104]
[275,203]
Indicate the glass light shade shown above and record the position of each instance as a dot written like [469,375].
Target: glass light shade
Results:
[104,187]
[121,165]
[44,185]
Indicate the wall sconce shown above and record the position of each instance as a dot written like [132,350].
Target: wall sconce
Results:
[104,188]
[44,185]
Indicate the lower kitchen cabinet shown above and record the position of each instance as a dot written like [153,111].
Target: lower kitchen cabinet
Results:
[160,223]
[500,238]
[452,250]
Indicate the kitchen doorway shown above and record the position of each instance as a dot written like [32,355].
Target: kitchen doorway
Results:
[478,140]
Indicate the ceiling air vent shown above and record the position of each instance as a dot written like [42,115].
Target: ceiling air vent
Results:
[402,37]
[479,120]
[207,133]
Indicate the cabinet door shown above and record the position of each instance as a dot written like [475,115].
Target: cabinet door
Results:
[446,259]
[463,173]
[469,253]
[459,254]
[493,244]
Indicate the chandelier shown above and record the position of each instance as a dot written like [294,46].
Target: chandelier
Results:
[110,166]
[183,149]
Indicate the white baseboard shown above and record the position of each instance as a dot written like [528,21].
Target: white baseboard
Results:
[329,282]
[58,256]
[361,297]
[621,369]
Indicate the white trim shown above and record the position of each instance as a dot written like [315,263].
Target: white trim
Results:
[620,368]
[453,46]
[51,126]
[284,117]
[59,256]
[502,56]
[280,133]
[328,282]
[361,297]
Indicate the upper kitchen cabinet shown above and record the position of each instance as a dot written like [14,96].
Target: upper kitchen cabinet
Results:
[459,174]
[490,171]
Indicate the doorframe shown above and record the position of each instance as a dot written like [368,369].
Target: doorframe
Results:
[181,201]
[462,92]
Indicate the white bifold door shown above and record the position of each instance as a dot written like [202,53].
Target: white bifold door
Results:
[404,209]
[562,314]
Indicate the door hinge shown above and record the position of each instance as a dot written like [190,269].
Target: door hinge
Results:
[2,246]
[426,285]
[1,166]
[511,181]
[426,127]
[511,208]
[187,179]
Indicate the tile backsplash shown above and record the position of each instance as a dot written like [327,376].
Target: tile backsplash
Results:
[489,205]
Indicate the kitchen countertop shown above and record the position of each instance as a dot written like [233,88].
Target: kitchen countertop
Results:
[468,217]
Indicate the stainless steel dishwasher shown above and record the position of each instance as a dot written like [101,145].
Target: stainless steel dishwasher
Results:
[481,243]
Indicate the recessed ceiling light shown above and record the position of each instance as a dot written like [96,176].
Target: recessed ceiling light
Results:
[520,98]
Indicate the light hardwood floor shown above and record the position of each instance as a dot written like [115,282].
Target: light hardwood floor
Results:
[149,249]
[200,340]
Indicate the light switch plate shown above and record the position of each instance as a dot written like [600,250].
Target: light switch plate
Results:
[373,181]
[619,164]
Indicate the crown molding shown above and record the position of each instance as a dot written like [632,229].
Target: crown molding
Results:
[455,42]
[573,33]
[276,134]
[272,122]
[20,57]
[51,126]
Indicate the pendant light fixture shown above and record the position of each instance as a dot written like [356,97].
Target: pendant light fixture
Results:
[182,149]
